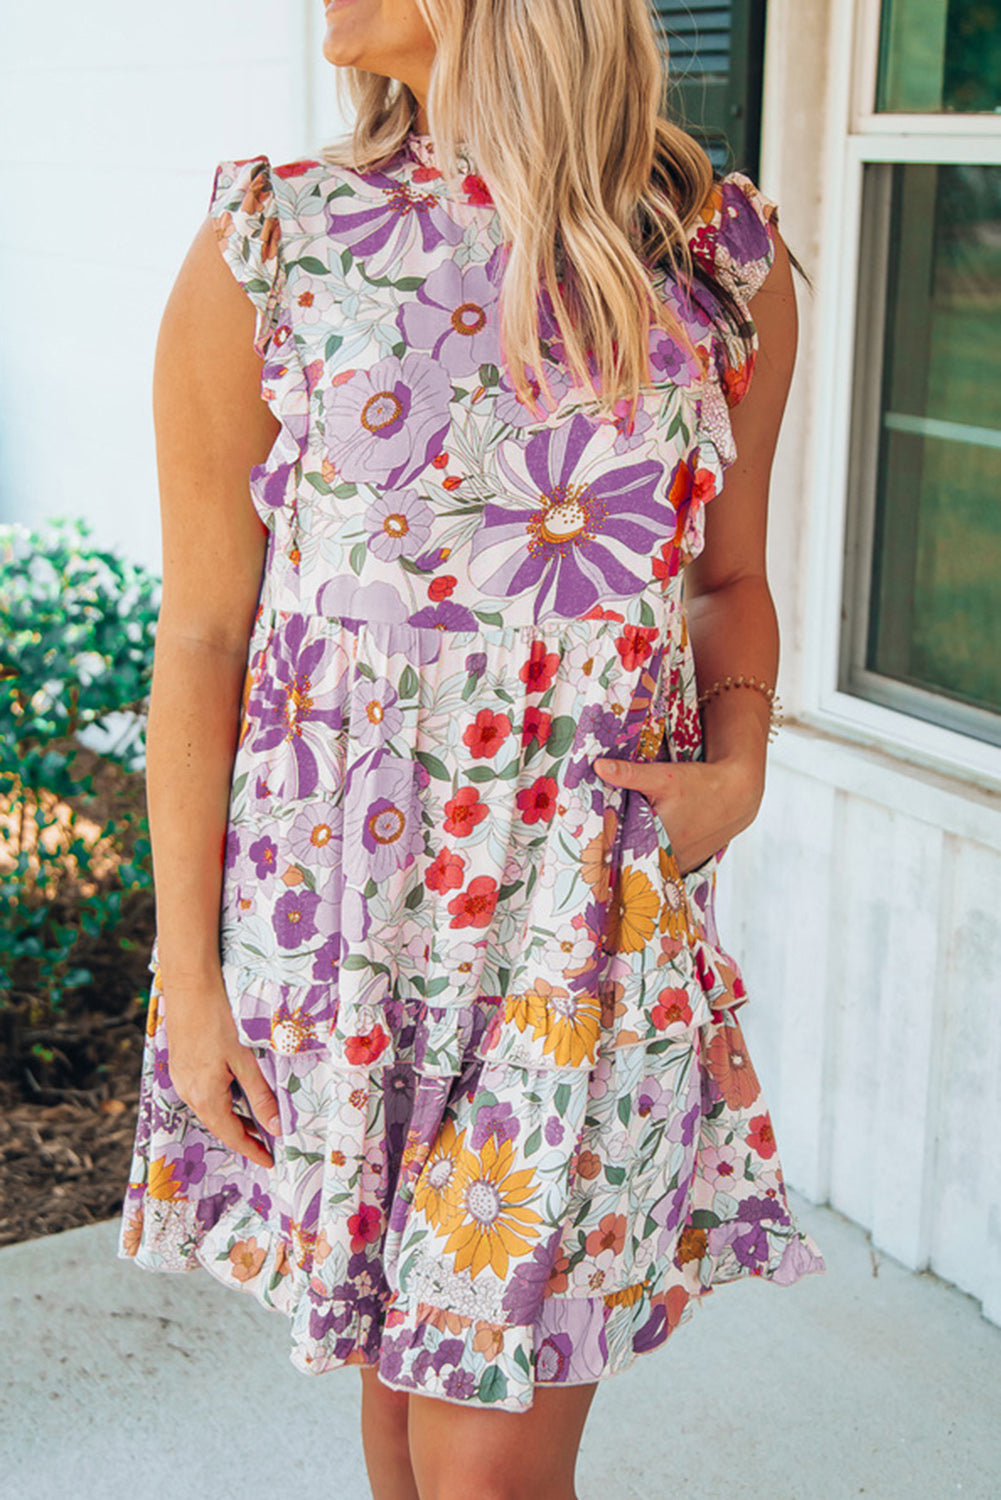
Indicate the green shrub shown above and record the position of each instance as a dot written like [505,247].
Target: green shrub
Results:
[76,653]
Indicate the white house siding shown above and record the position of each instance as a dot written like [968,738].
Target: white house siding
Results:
[864,903]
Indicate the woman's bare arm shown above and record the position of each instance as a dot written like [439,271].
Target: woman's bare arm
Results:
[211,427]
[730,611]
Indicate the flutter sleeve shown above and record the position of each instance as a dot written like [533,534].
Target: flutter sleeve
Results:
[734,242]
[244,213]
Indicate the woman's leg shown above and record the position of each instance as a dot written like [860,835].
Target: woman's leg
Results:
[458,1453]
[385,1440]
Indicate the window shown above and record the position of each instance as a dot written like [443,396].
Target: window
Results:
[923,617]
[716,62]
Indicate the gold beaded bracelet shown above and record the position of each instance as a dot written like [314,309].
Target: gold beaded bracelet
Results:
[775,718]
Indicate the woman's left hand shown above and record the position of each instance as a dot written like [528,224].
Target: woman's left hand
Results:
[702,804]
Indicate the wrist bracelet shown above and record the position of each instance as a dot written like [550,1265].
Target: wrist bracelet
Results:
[775,718]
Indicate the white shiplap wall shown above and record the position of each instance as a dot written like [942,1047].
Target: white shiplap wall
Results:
[864,904]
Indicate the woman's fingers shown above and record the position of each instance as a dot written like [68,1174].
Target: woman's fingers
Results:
[247,1071]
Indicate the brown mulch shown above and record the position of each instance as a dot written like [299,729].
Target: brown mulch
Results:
[67,1117]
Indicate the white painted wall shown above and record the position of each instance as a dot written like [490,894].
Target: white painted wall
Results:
[112,118]
[864,904]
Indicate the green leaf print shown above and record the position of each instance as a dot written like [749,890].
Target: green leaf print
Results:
[409,683]
[492,1386]
[646,613]
[356,558]
[615,1175]
[319,483]
[561,1098]
[489,375]
[561,734]
[479,773]
[414,898]
[704,1218]
[433,766]
[311,264]
[332,345]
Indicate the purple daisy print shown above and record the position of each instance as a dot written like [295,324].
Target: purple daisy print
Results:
[382,826]
[385,424]
[574,529]
[314,836]
[400,220]
[399,524]
[297,702]
[375,713]
[452,317]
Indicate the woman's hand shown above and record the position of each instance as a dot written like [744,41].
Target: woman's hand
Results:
[702,805]
[205,1055]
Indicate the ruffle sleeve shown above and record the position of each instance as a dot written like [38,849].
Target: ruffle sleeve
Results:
[734,241]
[244,213]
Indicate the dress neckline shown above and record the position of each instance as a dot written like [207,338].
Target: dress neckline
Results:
[422,146]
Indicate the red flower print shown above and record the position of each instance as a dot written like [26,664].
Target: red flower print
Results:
[441,588]
[672,1005]
[475,906]
[364,1227]
[475,189]
[635,644]
[487,733]
[445,873]
[540,669]
[731,1068]
[295,168]
[440,461]
[598,612]
[536,726]
[704,486]
[538,802]
[362,1050]
[609,1235]
[464,812]
[761,1136]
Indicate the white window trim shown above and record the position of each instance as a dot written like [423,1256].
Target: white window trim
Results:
[857,136]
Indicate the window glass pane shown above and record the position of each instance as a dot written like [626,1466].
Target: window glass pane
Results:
[935,618]
[940,55]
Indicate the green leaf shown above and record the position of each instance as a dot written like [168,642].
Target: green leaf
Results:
[615,1175]
[312,265]
[561,735]
[409,683]
[534,1140]
[356,557]
[433,765]
[492,1386]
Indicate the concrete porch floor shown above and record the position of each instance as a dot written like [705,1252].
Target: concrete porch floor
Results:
[867,1381]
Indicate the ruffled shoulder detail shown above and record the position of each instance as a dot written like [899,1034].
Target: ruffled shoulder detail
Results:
[734,237]
[248,227]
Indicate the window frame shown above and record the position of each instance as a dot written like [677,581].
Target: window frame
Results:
[839,554]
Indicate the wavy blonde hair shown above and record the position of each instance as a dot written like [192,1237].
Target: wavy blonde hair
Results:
[559,105]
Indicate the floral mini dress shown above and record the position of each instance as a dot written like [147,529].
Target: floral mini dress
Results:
[520,1130]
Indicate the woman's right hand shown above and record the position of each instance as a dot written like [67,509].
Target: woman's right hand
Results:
[204,1055]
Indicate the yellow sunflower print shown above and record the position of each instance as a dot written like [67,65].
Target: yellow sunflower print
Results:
[571,1024]
[674,912]
[440,1181]
[632,916]
[493,1221]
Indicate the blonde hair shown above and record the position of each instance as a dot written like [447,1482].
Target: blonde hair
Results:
[559,105]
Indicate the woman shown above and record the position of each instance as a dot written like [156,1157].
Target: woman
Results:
[457,1084]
